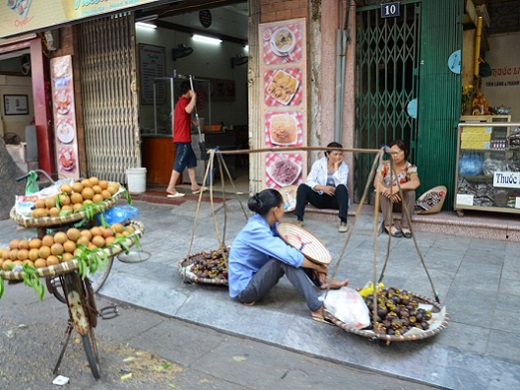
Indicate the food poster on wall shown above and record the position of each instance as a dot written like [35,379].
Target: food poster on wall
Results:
[283,103]
[64,117]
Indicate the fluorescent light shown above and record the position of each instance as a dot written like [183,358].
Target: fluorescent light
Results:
[145,25]
[202,38]
[246,47]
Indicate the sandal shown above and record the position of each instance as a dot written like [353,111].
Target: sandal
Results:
[320,318]
[406,233]
[393,232]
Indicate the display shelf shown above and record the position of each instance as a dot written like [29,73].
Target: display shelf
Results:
[491,190]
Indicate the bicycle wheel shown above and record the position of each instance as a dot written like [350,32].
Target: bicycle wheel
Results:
[90,347]
[97,280]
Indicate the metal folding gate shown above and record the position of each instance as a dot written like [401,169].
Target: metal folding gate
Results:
[387,81]
[108,89]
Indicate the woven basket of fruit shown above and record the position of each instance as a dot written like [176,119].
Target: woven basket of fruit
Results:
[73,202]
[402,316]
[67,251]
[207,267]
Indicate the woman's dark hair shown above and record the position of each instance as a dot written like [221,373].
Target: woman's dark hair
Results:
[333,145]
[185,87]
[264,201]
[401,145]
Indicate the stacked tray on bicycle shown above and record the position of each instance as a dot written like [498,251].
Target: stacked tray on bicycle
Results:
[67,251]
[65,202]
[207,267]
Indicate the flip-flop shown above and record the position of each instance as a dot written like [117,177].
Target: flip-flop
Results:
[176,195]
[322,319]
[196,192]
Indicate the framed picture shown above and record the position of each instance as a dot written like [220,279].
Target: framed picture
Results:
[16,105]
[152,65]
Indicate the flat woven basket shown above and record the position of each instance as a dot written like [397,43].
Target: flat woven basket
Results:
[436,327]
[69,266]
[442,191]
[56,221]
[184,270]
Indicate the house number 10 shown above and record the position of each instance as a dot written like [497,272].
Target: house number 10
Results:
[390,9]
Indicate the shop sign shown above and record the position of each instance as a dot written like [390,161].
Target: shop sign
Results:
[20,16]
[64,117]
[464,200]
[390,10]
[506,179]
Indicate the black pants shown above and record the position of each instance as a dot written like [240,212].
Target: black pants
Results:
[306,194]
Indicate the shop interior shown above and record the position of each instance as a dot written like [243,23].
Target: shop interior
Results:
[210,45]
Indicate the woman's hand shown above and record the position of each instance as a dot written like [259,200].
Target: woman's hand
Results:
[338,162]
[328,190]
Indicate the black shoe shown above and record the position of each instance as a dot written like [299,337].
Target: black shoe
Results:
[396,233]
[407,234]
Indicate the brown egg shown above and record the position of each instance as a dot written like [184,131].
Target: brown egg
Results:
[56,249]
[23,254]
[86,233]
[64,199]
[47,240]
[86,183]
[77,187]
[109,240]
[6,263]
[14,244]
[73,234]
[83,240]
[107,232]
[52,260]
[77,207]
[76,198]
[94,180]
[34,254]
[66,188]
[60,237]
[28,262]
[96,231]
[112,188]
[106,194]
[103,184]
[40,204]
[35,243]
[87,193]
[54,212]
[44,252]
[117,227]
[98,241]
[23,244]
[50,202]
[66,257]
[97,189]
[97,198]
[13,254]
[40,263]
[69,246]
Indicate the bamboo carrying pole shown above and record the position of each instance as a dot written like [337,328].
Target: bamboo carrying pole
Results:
[478,38]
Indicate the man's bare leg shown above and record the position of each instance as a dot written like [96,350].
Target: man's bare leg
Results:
[173,180]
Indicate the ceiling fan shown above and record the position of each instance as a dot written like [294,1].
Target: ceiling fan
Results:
[181,51]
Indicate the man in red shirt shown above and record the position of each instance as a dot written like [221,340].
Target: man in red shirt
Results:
[185,157]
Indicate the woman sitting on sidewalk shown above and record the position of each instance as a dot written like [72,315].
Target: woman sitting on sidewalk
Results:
[386,183]
[326,186]
[259,258]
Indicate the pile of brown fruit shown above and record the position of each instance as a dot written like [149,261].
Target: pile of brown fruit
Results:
[75,197]
[397,312]
[210,265]
[60,247]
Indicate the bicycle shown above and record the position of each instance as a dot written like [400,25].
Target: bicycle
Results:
[69,283]
[98,278]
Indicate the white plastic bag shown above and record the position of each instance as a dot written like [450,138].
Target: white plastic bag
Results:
[348,306]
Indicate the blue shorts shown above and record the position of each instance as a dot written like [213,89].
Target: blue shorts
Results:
[185,157]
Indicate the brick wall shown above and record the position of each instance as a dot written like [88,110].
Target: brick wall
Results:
[276,10]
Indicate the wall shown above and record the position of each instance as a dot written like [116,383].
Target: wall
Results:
[503,87]
[206,61]
[15,85]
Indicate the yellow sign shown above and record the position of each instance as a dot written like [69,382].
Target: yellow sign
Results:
[20,16]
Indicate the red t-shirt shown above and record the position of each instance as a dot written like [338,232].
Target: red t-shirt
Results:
[182,121]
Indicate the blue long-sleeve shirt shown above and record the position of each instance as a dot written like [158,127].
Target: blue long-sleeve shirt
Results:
[254,246]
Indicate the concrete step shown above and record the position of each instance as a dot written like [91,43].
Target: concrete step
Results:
[473,224]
